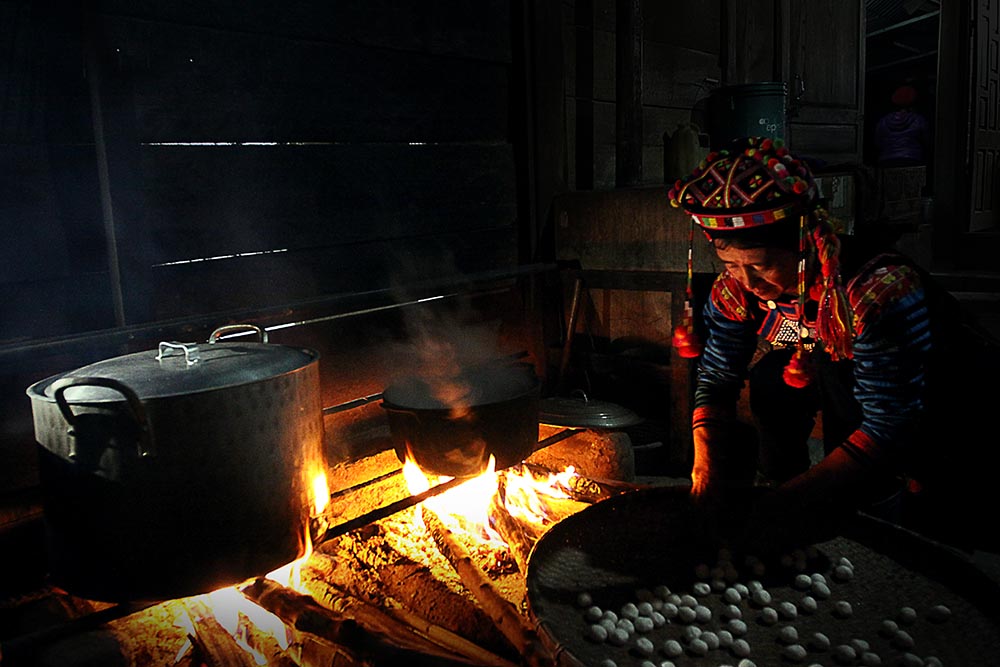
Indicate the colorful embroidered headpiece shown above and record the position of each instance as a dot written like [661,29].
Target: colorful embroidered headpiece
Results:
[755,182]
[758,182]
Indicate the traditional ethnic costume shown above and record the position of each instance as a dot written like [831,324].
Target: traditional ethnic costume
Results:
[857,344]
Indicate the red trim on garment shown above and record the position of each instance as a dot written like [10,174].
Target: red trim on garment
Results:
[729,297]
[877,285]
[861,443]
[710,413]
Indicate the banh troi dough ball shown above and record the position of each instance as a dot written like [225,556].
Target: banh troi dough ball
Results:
[712,620]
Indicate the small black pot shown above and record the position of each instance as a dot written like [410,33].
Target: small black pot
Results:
[450,426]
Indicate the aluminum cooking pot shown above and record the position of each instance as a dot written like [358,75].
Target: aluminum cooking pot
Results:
[451,425]
[179,470]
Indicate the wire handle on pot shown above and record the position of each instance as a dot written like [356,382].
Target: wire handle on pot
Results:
[145,446]
[191,356]
[230,328]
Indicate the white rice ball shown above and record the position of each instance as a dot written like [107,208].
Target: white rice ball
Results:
[672,648]
[819,642]
[698,647]
[869,659]
[787,610]
[794,652]
[618,637]
[902,640]
[760,597]
[597,633]
[842,609]
[787,634]
[808,604]
[939,613]
[845,654]
[644,646]
[643,624]
[768,616]
[702,614]
[888,628]
[740,648]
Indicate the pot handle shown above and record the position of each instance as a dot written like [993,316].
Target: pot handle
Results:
[145,446]
[230,328]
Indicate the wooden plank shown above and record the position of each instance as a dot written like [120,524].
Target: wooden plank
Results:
[50,216]
[748,43]
[55,305]
[44,93]
[194,84]
[208,201]
[688,25]
[454,27]
[834,144]
[627,230]
[262,281]
[677,77]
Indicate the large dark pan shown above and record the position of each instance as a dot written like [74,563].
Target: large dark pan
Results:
[622,549]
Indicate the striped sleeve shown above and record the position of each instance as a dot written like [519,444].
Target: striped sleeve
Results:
[729,347]
[891,351]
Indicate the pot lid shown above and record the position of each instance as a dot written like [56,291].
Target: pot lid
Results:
[181,368]
[581,411]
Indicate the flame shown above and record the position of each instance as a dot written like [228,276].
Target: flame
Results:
[463,509]
[238,616]
[321,493]
[525,496]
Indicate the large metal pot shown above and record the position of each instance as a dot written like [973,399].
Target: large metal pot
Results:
[451,425]
[177,471]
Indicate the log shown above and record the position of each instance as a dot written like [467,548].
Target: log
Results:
[396,563]
[351,623]
[583,488]
[515,627]
[447,638]
[512,532]
[305,649]
[214,644]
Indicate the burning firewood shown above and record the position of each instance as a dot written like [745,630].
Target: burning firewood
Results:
[513,532]
[515,627]
[374,635]
[214,644]
[389,565]
[582,488]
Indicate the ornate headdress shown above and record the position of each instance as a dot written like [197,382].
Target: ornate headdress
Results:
[758,182]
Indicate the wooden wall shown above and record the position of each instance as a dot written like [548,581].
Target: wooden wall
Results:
[197,157]
[170,167]
[680,66]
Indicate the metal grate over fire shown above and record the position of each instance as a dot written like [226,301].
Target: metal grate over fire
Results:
[435,582]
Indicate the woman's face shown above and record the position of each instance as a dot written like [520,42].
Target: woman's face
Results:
[766,272]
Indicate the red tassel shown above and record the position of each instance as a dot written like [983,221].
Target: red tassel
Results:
[686,341]
[799,371]
[833,324]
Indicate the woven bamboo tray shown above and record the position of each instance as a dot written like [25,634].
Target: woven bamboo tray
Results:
[621,549]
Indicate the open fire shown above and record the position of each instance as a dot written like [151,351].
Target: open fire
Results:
[442,583]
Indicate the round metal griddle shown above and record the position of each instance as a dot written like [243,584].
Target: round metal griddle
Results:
[623,548]
[579,411]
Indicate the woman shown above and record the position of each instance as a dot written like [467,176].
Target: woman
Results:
[817,326]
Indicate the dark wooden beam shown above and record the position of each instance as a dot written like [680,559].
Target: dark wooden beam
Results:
[628,153]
